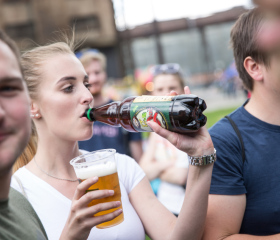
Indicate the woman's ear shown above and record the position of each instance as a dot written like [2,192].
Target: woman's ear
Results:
[253,68]
[34,110]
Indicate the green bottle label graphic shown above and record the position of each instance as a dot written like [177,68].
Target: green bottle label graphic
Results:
[148,108]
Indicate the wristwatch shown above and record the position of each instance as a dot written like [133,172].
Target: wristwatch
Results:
[203,160]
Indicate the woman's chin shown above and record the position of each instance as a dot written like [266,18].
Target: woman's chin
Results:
[86,136]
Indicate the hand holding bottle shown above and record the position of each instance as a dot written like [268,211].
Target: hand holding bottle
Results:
[194,143]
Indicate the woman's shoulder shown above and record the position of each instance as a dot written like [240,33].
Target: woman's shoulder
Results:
[21,172]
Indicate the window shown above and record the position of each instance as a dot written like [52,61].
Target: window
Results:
[86,23]
[23,30]
[16,1]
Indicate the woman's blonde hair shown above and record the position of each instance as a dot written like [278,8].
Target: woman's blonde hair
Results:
[32,62]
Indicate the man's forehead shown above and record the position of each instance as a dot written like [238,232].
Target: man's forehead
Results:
[5,51]
[9,64]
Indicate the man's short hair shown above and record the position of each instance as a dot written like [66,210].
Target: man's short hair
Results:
[244,43]
[11,44]
[88,55]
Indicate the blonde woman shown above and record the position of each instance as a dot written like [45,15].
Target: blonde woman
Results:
[58,85]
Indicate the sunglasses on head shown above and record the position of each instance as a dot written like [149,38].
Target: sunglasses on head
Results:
[84,51]
[168,68]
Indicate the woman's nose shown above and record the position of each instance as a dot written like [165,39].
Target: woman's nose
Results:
[87,97]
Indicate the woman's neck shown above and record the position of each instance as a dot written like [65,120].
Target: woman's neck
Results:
[54,157]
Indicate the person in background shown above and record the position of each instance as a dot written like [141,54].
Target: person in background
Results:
[166,166]
[59,91]
[18,219]
[106,136]
[245,190]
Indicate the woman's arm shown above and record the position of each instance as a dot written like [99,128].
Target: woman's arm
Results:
[175,175]
[159,223]
[150,166]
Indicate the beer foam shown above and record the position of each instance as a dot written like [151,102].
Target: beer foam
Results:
[99,170]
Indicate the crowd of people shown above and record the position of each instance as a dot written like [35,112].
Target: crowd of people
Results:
[43,96]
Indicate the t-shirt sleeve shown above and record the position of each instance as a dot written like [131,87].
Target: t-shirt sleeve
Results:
[130,173]
[227,177]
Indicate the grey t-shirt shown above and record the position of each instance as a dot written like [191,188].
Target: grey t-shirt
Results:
[18,219]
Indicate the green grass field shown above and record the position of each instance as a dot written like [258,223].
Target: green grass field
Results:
[212,118]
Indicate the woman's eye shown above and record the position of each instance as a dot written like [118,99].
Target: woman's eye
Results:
[87,85]
[68,89]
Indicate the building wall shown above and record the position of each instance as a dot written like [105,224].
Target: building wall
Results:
[201,46]
[186,47]
[31,22]
[38,20]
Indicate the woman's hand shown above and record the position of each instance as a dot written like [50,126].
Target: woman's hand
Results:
[81,218]
[194,144]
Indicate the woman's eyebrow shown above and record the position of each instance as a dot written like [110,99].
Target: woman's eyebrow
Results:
[66,79]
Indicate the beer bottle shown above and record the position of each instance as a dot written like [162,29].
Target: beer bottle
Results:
[181,113]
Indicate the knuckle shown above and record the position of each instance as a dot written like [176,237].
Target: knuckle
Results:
[79,218]
[104,218]
[98,208]
[80,187]
[74,207]
[88,197]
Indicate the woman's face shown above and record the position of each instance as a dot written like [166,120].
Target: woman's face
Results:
[63,97]
[164,83]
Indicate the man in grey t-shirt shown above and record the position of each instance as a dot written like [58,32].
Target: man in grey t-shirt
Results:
[18,220]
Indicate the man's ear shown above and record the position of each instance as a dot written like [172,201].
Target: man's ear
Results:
[34,110]
[253,68]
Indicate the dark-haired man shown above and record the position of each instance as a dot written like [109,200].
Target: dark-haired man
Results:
[18,220]
[244,195]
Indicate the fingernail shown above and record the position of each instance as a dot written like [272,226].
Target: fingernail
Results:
[119,210]
[111,192]
[95,178]
[117,203]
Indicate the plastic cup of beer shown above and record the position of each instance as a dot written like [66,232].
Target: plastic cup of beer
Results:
[102,164]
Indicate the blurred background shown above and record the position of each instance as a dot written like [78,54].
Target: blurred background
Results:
[135,35]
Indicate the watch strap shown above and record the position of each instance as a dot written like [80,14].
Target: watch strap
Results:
[203,160]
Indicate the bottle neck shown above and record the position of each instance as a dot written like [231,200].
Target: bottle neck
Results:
[88,114]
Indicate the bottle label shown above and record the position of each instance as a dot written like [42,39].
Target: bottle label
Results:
[152,110]
[147,98]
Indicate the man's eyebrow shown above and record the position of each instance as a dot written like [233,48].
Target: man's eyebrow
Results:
[10,79]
